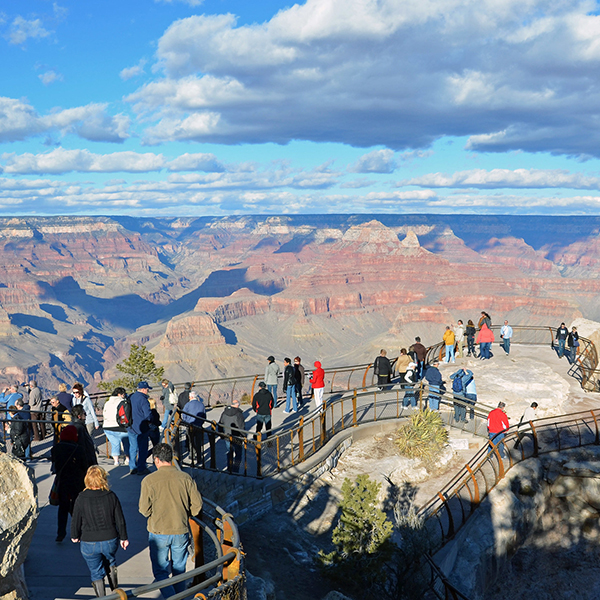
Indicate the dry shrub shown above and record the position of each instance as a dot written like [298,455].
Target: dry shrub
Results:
[423,436]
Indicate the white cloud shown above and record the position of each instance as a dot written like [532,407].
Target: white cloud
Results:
[511,74]
[50,76]
[135,71]
[378,161]
[196,162]
[506,178]
[21,30]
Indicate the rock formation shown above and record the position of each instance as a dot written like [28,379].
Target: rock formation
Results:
[18,516]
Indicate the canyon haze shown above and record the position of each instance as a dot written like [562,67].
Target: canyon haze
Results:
[212,297]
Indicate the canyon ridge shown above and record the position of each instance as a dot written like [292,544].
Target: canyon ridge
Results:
[211,297]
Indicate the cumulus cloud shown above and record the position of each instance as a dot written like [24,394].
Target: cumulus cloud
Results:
[22,29]
[131,72]
[392,73]
[506,178]
[50,76]
[19,121]
[196,162]
[378,161]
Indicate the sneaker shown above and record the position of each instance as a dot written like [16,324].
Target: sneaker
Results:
[59,538]
[133,472]
[126,462]
[286,412]
[116,462]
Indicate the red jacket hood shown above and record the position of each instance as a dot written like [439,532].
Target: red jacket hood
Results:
[317,364]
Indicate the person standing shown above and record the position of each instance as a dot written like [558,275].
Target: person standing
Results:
[84,439]
[383,369]
[83,398]
[459,335]
[497,425]
[64,397]
[317,381]
[232,424]
[573,341]
[184,397]
[59,415]
[139,432]
[485,337]
[116,433]
[299,372]
[169,401]
[419,353]
[471,332]
[449,341]
[70,465]
[98,526]
[262,404]
[485,318]
[19,430]
[194,415]
[466,393]
[402,363]
[436,384]
[506,333]
[168,498]
[289,387]
[271,375]
[562,333]
[35,402]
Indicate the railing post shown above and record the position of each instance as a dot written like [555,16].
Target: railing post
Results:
[323,422]
[258,448]
[212,434]
[354,420]
[232,569]
[301,439]
[198,537]
[536,446]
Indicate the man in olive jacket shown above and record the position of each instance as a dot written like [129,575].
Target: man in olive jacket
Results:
[168,497]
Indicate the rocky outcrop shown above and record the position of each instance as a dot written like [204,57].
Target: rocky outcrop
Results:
[18,517]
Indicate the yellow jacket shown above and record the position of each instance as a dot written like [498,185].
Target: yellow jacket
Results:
[449,337]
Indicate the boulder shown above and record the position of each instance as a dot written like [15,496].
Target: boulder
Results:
[18,518]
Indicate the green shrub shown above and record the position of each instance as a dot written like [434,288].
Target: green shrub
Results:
[423,437]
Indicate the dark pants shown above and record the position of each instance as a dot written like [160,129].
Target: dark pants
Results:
[234,454]
[299,394]
[66,502]
[39,429]
[471,345]
[266,419]
[196,441]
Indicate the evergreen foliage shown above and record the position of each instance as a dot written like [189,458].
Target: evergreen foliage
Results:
[361,538]
[423,436]
[138,366]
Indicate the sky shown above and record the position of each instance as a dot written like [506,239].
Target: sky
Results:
[227,107]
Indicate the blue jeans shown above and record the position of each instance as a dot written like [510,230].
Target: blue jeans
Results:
[168,555]
[273,389]
[96,554]
[434,400]
[116,438]
[572,356]
[561,348]
[506,345]
[497,438]
[168,413]
[449,353]
[138,449]
[484,349]
[290,394]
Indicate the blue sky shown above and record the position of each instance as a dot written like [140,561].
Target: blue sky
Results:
[217,107]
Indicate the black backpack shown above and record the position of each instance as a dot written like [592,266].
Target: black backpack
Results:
[124,414]
[457,385]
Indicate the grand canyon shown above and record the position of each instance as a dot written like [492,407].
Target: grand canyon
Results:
[211,297]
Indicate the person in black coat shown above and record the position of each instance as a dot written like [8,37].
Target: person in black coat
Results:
[98,525]
[232,424]
[84,439]
[289,386]
[70,466]
[19,431]
[262,404]
[383,369]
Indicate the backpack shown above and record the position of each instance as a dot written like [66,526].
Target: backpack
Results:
[457,385]
[124,414]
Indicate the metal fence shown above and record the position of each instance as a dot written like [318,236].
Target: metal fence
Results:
[453,504]
[287,446]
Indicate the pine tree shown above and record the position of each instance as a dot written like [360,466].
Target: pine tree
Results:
[138,366]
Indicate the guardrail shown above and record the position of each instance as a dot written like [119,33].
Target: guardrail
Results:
[457,500]
[289,446]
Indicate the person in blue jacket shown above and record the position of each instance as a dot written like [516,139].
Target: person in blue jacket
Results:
[139,431]
[436,384]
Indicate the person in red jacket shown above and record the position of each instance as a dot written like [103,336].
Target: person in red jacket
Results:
[317,380]
[497,425]
[485,337]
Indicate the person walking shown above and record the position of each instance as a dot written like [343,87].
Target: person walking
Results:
[289,387]
[497,425]
[116,434]
[419,353]
[168,498]
[262,404]
[470,332]
[70,465]
[139,432]
[271,375]
[317,381]
[506,334]
[524,427]
[98,526]
[449,341]
[232,424]
[401,366]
